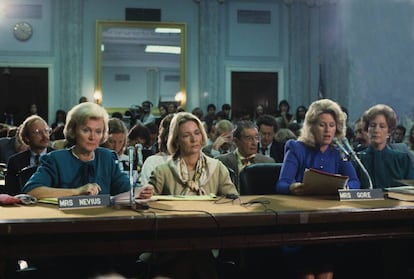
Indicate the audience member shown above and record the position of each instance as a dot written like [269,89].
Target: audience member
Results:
[147,116]
[190,172]
[223,139]
[83,99]
[57,134]
[210,117]
[259,111]
[161,157]
[411,138]
[85,168]
[361,136]
[140,134]
[117,138]
[350,135]
[60,119]
[10,146]
[221,115]
[314,149]
[283,117]
[163,113]
[172,107]
[117,114]
[246,137]
[267,145]
[152,147]
[384,165]
[226,108]
[199,113]
[300,115]
[398,134]
[283,135]
[35,134]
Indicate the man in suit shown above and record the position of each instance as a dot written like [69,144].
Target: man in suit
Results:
[223,139]
[246,138]
[267,145]
[35,133]
[10,145]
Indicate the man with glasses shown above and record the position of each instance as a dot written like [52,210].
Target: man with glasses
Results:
[246,138]
[34,132]
[267,145]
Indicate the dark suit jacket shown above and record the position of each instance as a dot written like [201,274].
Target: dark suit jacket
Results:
[277,151]
[230,160]
[16,163]
[7,148]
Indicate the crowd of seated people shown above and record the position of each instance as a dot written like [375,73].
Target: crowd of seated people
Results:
[227,142]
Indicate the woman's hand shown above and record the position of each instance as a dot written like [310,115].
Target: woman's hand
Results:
[146,192]
[89,189]
[297,188]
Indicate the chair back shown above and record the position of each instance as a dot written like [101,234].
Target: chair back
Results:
[24,174]
[259,179]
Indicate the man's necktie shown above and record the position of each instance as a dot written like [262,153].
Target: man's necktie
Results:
[247,161]
[36,159]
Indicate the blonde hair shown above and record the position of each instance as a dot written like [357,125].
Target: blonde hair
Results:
[178,119]
[312,117]
[79,115]
[117,126]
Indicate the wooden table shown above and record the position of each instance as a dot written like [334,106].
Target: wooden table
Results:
[252,221]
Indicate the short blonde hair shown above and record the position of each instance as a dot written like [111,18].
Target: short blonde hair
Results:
[117,126]
[178,119]
[79,115]
[312,117]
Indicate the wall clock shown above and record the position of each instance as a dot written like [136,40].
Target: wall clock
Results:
[22,31]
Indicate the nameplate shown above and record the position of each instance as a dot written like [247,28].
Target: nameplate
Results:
[360,194]
[86,201]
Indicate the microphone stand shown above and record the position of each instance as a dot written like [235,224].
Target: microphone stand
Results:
[131,150]
[357,194]
[358,161]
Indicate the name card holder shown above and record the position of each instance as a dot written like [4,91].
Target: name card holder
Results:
[360,194]
[86,201]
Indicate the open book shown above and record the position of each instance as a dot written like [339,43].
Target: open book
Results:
[324,183]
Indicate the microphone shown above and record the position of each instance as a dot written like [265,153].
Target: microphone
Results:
[341,147]
[131,151]
[358,161]
[140,160]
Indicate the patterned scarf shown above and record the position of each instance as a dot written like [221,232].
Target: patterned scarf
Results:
[194,184]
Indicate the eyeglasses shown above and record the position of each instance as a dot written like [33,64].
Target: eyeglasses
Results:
[46,132]
[251,138]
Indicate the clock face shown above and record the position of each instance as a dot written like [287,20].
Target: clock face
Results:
[22,31]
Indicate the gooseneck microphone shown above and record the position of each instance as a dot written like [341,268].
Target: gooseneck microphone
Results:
[341,147]
[131,151]
[358,161]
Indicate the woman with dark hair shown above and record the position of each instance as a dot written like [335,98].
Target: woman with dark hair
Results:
[283,117]
[300,115]
[385,165]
